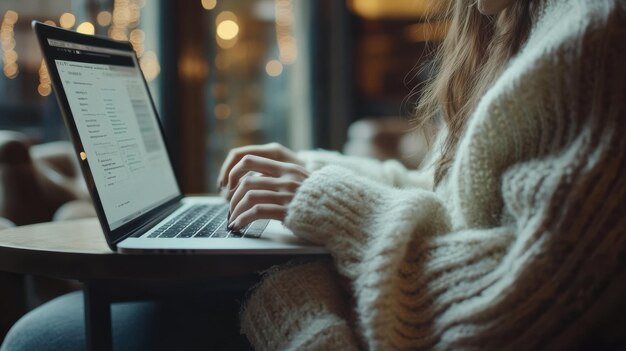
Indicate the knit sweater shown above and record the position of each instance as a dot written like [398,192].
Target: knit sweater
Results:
[521,239]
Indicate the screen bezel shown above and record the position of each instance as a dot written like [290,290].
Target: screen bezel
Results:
[113,237]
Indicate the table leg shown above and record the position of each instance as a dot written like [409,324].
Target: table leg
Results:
[99,336]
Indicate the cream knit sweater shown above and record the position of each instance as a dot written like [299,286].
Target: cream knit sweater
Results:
[510,252]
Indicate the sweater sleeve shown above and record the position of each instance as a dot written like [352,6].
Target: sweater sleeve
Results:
[418,284]
[390,244]
[390,172]
[540,189]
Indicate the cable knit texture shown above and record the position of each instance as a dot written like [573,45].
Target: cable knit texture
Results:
[510,251]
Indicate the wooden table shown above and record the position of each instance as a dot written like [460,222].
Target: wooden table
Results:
[77,250]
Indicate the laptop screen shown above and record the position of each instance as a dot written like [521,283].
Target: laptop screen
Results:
[118,128]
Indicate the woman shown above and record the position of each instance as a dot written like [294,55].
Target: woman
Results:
[505,241]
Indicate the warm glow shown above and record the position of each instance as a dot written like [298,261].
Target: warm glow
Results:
[50,23]
[209,4]
[287,45]
[117,33]
[228,29]
[121,15]
[7,43]
[222,111]
[104,18]
[430,31]
[137,36]
[67,20]
[221,61]
[86,28]
[226,44]
[10,17]
[149,64]
[274,68]
[11,70]
[376,9]
[193,66]
[44,90]
[224,16]
[10,56]
[134,14]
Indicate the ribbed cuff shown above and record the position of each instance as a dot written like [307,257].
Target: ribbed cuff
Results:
[332,202]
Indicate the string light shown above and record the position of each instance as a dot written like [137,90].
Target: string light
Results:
[44,88]
[209,4]
[124,23]
[227,29]
[120,20]
[137,38]
[287,46]
[7,41]
[149,65]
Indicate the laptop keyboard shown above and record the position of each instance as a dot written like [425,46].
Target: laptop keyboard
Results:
[206,221]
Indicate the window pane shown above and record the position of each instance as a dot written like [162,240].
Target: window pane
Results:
[257,84]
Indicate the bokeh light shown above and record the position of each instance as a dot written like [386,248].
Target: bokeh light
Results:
[209,4]
[274,68]
[67,20]
[222,111]
[227,29]
[86,28]
[104,18]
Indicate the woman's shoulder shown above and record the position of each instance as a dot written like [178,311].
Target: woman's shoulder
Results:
[575,46]
[559,87]
[568,32]
[575,53]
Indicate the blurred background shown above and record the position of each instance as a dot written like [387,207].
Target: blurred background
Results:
[237,72]
[332,74]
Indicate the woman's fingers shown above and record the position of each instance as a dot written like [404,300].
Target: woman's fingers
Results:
[260,183]
[266,196]
[272,151]
[259,204]
[234,156]
[265,166]
[259,197]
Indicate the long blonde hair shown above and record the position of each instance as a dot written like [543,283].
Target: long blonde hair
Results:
[473,54]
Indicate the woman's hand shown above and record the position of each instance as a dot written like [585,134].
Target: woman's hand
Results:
[272,151]
[265,196]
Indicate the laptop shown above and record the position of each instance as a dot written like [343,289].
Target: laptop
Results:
[120,145]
